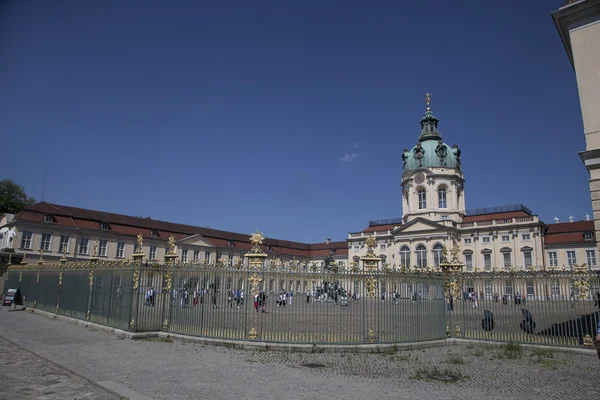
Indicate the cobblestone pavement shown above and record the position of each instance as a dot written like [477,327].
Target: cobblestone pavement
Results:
[175,369]
[27,376]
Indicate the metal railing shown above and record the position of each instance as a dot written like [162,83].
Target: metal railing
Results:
[347,307]
[351,306]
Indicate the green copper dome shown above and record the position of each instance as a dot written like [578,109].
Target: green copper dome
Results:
[430,150]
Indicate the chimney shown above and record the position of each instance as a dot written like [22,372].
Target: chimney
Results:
[327,241]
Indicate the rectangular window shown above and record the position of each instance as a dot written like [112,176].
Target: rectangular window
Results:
[469,261]
[507,260]
[84,245]
[405,257]
[529,287]
[102,248]
[571,259]
[46,240]
[527,259]
[588,236]
[526,236]
[591,257]
[184,255]
[207,256]
[442,196]
[486,240]
[63,247]
[488,288]
[219,256]
[196,256]
[422,199]
[444,217]
[355,247]
[26,240]
[48,219]
[104,226]
[487,261]
[120,250]
[154,233]
[382,246]
[505,238]
[555,288]
[153,253]
[467,241]
[553,259]
[230,259]
[508,289]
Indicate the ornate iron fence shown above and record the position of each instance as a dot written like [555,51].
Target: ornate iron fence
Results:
[547,307]
[310,305]
[215,301]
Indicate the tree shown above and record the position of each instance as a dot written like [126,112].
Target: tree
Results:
[13,198]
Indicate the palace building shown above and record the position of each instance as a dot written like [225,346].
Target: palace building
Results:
[434,216]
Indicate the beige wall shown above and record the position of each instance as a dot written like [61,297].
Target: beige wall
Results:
[580,255]
[585,42]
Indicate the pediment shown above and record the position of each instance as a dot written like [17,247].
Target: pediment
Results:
[196,240]
[419,225]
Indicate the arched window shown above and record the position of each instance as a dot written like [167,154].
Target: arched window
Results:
[422,199]
[437,255]
[405,256]
[442,197]
[421,256]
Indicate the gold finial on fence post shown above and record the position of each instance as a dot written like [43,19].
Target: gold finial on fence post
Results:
[94,257]
[63,259]
[256,258]
[138,256]
[170,256]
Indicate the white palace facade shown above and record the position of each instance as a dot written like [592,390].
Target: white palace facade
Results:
[434,216]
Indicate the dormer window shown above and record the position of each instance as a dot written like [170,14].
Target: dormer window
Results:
[104,226]
[48,219]
[588,236]
[230,243]
[154,233]
[270,248]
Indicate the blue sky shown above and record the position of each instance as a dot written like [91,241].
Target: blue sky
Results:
[284,117]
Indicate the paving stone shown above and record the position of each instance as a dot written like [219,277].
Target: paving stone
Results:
[181,370]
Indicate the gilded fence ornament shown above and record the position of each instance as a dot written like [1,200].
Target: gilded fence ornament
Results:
[37,278]
[136,279]
[252,334]
[168,281]
[60,277]
[87,315]
[165,324]
[457,332]
[294,265]
[239,263]
[371,338]
[588,341]
[20,276]
[23,262]
[91,278]
[581,281]
[255,281]
[95,249]
[274,264]
[132,324]
[371,284]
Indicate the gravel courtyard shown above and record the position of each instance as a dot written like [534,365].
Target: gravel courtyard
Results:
[157,368]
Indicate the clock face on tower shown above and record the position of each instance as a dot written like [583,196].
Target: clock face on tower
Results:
[419,178]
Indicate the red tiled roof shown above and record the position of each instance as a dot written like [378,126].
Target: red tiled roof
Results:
[569,233]
[379,228]
[81,218]
[491,217]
